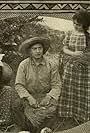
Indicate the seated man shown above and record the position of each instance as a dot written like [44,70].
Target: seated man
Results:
[38,85]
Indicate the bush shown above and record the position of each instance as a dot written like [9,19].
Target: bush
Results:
[13,31]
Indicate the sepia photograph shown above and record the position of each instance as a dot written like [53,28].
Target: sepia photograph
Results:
[44,66]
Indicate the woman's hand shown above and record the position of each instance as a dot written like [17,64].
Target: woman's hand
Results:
[72,53]
[66,50]
[77,53]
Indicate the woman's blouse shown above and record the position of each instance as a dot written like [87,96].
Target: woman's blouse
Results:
[75,41]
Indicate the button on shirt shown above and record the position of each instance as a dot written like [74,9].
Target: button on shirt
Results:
[38,80]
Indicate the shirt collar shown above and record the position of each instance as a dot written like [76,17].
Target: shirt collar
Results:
[43,62]
[78,33]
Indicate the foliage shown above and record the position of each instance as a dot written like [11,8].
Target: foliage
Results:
[13,31]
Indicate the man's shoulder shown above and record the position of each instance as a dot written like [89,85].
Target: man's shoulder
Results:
[52,60]
[25,61]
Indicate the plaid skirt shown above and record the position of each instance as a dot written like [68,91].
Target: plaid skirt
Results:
[75,94]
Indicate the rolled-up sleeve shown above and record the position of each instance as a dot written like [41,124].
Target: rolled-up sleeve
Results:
[55,83]
[20,82]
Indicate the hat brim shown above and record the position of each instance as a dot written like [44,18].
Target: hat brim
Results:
[27,44]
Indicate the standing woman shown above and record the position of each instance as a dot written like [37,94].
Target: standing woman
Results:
[75,95]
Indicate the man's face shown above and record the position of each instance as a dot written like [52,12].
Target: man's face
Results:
[36,51]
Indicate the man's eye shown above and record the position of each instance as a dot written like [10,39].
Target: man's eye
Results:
[33,48]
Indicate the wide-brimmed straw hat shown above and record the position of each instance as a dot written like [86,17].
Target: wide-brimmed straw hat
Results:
[27,44]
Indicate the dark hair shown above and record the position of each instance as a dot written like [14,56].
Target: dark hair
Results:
[6,74]
[82,17]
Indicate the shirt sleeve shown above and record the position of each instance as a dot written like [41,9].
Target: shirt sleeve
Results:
[55,83]
[66,39]
[20,82]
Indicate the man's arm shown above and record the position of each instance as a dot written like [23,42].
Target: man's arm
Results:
[21,83]
[55,83]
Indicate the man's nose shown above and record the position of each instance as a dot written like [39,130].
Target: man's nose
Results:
[38,50]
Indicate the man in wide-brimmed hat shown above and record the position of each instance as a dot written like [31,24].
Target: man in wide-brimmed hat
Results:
[30,42]
[38,85]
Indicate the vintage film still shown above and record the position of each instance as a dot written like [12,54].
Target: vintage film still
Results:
[66,26]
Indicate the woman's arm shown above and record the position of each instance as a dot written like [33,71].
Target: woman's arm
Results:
[66,50]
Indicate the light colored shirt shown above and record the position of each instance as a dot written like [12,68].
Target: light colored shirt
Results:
[38,80]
